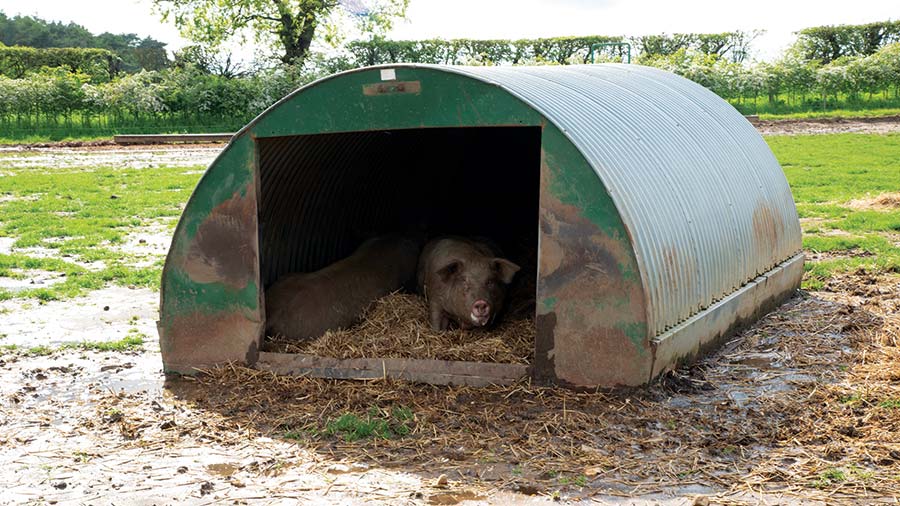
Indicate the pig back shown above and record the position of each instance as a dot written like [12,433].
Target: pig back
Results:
[306,305]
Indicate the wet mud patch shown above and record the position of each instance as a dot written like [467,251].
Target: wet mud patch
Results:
[875,125]
[24,279]
[109,314]
[825,256]
[148,244]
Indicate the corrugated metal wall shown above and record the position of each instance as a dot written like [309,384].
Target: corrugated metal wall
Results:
[706,203]
[322,195]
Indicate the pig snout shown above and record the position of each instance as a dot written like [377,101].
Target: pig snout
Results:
[481,313]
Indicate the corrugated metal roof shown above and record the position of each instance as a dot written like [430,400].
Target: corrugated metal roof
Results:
[706,203]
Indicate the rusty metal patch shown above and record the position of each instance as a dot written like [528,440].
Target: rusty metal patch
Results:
[392,88]
[591,327]
[224,250]
[197,340]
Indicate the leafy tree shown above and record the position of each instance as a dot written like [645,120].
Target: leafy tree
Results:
[35,32]
[732,45]
[135,53]
[206,61]
[828,43]
[289,26]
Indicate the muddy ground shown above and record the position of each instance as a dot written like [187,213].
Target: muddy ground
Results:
[879,125]
[797,409]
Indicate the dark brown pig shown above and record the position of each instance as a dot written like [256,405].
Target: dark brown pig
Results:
[305,305]
[464,281]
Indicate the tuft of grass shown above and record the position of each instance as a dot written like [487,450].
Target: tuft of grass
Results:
[890,404]
[39,351]
[835,476]
[828,477]
[82,457]
[579,481]
[131,342]
[375,424]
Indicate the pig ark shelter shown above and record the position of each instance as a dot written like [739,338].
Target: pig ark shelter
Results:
[658,219]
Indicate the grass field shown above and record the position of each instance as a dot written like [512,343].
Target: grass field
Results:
[74,224]
[847,189]
[811,105]
[101,127]
[837,113]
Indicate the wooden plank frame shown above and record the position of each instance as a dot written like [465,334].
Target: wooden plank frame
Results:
[171,138]
[435,372]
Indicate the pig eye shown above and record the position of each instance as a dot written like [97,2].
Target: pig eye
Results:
[448,271]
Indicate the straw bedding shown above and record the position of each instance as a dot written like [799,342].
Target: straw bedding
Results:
[396,326]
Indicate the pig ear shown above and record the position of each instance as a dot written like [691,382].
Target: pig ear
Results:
[449,269]
[504,269]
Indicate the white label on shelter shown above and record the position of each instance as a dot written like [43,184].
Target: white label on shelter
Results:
[388,74]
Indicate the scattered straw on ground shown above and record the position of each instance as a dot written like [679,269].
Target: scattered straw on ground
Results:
[396,326]
[883,202]
[805,402]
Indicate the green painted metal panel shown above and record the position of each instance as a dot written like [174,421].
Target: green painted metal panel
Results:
[592,304]
[338,104]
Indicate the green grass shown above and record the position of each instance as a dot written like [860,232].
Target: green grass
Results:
[811,105]
[578,481]
[834,113]
[83,215]
[132,342]
[375,424]
[826,173]
[835,476]
[31,130]
[831,476]
[40,351]
[840,167]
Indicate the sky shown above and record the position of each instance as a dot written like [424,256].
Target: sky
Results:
[498,19]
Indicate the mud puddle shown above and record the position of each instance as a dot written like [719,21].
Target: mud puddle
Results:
[29,278]
[104,315]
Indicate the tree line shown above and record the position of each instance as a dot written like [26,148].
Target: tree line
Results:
[63,88]
[133,53]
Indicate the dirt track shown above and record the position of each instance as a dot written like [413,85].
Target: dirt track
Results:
[881,125]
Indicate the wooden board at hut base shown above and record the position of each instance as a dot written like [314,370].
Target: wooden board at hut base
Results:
[436,372]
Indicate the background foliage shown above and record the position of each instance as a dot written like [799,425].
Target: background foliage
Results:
[134,53]
[62,92]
